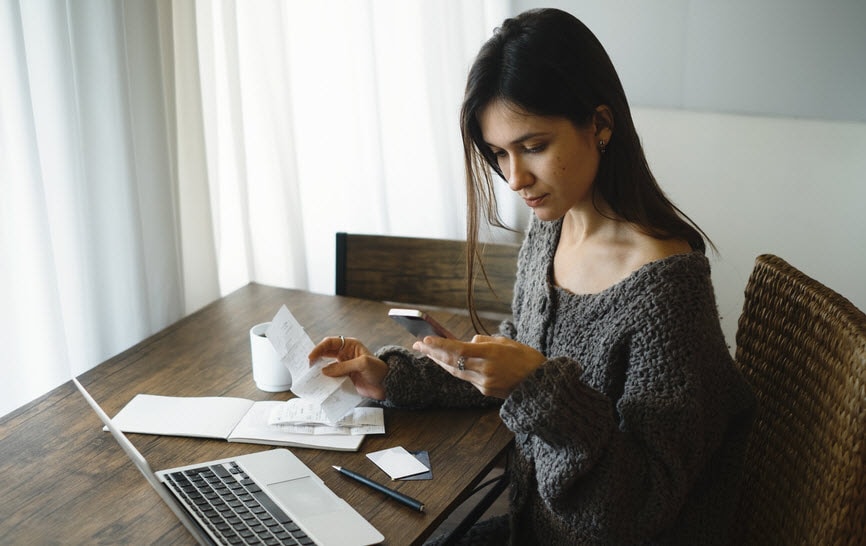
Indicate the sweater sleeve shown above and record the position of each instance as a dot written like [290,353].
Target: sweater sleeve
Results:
[416,382]
[617,464]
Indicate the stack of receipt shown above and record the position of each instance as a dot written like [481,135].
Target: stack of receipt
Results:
[304,416]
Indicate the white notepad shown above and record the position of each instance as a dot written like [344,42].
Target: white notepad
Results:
[226,418]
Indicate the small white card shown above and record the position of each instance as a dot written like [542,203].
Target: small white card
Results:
[397,462]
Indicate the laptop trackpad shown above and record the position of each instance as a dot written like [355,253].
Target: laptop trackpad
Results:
[305,496]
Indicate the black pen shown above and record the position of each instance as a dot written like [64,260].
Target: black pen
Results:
[400,497]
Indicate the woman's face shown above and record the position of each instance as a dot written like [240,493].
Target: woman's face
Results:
[548,161]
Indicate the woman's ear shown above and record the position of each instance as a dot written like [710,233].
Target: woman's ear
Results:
[602,121]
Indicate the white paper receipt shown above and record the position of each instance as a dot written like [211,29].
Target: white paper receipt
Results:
[397,462]
[335,395]
[302,416]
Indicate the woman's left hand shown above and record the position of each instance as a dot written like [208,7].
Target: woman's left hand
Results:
[494,365]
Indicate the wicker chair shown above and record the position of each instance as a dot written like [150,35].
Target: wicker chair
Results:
[803,349]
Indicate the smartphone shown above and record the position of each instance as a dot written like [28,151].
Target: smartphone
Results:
[419,323]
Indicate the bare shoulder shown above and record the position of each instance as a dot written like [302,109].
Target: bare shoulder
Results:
[664,248]
[649,249]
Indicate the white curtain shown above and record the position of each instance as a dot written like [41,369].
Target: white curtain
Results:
[157,155]
[89,234]
[334,115]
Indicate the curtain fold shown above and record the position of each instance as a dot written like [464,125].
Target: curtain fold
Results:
[198,233]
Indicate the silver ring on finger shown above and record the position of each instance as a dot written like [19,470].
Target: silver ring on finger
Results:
[342,343]
[461,363]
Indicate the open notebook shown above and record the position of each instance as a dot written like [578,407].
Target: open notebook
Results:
[271,494]
[218,417]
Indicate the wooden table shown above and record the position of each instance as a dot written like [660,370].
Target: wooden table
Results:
[65,481]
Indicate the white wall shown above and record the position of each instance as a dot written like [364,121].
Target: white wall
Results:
[753,118]
[758,185]
[790,58]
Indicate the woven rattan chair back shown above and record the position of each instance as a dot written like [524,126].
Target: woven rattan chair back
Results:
[803,348]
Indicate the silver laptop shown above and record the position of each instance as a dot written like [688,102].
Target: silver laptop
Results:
[270,494]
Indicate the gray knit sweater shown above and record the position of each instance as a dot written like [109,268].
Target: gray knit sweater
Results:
[634,428]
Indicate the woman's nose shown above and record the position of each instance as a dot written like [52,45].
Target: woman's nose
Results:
[518,175]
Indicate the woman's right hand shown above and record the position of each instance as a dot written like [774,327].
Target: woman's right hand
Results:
[353,359]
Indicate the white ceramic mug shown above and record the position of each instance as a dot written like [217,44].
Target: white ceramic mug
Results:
[269,373]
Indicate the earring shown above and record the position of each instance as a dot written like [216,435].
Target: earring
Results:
[602,146]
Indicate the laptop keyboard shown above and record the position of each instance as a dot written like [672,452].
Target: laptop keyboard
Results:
[234,507]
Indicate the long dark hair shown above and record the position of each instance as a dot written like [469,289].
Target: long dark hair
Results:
[548,63]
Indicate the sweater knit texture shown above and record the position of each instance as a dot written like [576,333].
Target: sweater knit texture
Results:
[634,429]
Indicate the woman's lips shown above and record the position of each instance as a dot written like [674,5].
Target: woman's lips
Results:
[533,202]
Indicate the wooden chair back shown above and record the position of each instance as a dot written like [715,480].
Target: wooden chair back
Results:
[423,272]
[802,346]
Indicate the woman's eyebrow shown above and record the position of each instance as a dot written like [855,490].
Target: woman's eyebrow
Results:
[522,138]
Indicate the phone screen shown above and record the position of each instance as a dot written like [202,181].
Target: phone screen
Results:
[419,323]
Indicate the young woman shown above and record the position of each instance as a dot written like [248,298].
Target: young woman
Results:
[629,417]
